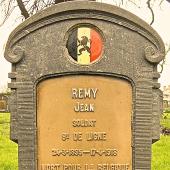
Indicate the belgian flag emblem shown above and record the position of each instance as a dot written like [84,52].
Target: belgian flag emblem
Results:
[85,45]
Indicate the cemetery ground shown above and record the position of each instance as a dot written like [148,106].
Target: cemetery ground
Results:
[8,149]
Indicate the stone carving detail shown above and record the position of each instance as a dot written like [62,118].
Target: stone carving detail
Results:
[152,55]
[15,55]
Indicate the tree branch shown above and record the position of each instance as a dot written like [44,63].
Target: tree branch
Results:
[24,12]
[150,8]
[161,2]
[164,61]
[7,11]
[59,1]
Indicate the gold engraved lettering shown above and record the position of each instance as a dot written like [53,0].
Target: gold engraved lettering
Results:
[84,122]
[109,152]
[71,167]
[83,93]
[96,136]
[67,152]
[65,136]
[50,166]
[84,107]
[77,136]
[113,166]
[89,167]
[103,152]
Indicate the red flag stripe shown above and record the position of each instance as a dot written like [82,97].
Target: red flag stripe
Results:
[95,46]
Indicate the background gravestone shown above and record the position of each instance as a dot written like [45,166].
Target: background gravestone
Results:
[4,102]
[84,88]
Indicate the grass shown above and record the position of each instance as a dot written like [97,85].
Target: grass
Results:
[9,159]
[165,120]
[161,154]
[161,149]
[8,149]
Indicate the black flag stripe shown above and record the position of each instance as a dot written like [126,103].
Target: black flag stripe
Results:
[72,44]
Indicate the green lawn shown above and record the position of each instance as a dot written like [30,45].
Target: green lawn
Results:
[165,120]
[8,149]
[161,149]
[161,154]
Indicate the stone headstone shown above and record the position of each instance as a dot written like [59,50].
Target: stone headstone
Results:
[84,88]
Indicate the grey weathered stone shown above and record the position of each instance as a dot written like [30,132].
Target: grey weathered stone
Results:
[37,51]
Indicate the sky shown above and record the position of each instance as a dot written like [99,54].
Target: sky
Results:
[5,30]
[161,25]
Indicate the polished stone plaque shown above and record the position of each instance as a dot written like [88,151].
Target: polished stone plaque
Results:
[84,123]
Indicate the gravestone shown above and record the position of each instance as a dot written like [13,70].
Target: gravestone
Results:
[84,87]
[4,102]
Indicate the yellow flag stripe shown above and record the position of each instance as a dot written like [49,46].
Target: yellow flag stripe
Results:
[83,55]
